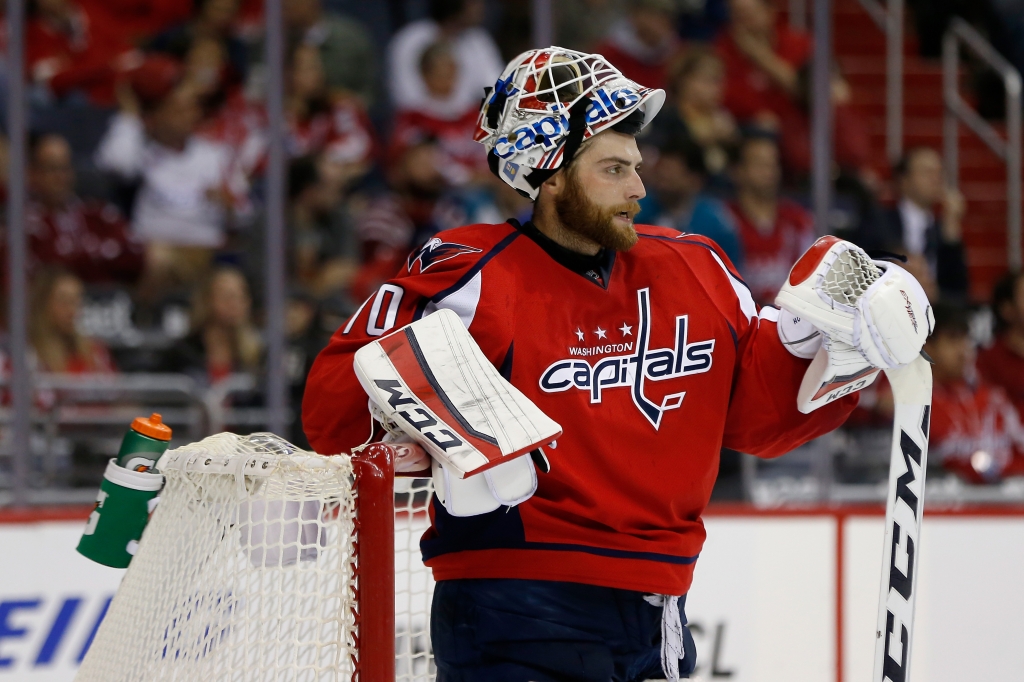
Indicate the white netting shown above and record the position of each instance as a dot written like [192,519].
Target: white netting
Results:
[850,276]
[245,573]
[414,585]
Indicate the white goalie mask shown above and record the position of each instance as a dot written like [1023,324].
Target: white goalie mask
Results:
[546,103]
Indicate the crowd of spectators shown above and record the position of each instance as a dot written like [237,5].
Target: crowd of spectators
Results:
[165,204]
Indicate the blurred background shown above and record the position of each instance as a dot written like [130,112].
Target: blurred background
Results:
[189,220]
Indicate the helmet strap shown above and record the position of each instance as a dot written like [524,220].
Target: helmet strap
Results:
[497,104]
[577,128]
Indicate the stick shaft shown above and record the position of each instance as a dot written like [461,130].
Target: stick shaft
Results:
[904,511]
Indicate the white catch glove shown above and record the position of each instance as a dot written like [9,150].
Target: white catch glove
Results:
[432,382]
[872,315]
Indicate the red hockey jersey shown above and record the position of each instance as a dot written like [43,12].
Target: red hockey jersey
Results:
[769,254]
[651,360]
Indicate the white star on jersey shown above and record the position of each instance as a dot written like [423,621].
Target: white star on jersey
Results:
[601,334]
[579,334]
[626,329]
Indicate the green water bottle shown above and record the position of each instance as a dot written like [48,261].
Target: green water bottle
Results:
[127,495]
[145,441]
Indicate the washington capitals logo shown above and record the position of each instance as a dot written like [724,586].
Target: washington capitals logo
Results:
[634,369]
[436,251]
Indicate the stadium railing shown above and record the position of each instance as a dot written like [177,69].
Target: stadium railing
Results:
[957,111]
[90,413]
[889,18]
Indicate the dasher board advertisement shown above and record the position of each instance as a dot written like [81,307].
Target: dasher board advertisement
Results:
[768,603]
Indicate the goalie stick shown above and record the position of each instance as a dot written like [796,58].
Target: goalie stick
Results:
[904,511]
[873,315]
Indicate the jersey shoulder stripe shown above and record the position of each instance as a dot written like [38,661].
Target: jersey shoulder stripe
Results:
[686,240]
[669,235]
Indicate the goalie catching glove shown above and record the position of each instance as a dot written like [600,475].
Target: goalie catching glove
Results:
[431,382]
[871,314]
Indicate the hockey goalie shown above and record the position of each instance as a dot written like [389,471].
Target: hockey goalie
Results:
[623,357]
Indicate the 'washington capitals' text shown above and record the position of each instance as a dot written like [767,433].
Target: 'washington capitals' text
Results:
[617,371]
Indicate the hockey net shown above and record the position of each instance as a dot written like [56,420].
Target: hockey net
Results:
[265,562]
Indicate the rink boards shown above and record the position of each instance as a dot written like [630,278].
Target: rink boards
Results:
[780,595]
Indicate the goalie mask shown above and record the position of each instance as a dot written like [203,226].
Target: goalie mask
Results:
[546,103]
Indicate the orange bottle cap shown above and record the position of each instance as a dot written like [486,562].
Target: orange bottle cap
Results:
[153,427]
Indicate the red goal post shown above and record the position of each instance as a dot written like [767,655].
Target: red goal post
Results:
[374,470]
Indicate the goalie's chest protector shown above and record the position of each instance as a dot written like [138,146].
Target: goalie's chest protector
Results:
[635,358]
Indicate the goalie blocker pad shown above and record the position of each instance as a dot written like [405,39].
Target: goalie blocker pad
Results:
[433,381]
[835,372]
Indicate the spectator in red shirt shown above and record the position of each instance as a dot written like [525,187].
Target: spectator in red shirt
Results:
[774,231]
[56,301]
[74,48]
[318,123]
[1003,363]
[643,44]
[850,140]
[331,126]
[975,429]
[766,65]
[89,238]
[138,20]
[762,59]
[462,160]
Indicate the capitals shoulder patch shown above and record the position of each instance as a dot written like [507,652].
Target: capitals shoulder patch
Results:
[436,251]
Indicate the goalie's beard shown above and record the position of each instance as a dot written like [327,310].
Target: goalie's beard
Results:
[579,214]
